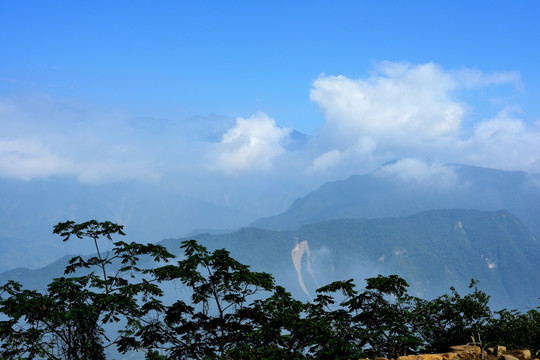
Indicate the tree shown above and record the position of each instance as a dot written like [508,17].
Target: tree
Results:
[385,313]
[514,330]
[328,330]
[57,325]
[218,321]
[231,312]
[67,320]
[451,319]
[375,322]
[276,323]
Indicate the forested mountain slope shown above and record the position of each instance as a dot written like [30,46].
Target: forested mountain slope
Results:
[432,250]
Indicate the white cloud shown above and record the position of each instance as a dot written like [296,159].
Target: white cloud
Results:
[399,111]
[401,106]
[44,136]
[327,160]
[412,111]
[503,142]
[28,158]
[251,145]
[362,149]
[421,172]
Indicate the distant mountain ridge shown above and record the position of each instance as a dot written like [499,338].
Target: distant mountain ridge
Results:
[385,193]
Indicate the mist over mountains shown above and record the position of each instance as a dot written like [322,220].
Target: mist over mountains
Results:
[435,225]
[432,250]
[30,209]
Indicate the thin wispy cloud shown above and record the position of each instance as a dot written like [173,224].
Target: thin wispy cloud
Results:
[418,171]
[27,158]
[472,78]
[45,136]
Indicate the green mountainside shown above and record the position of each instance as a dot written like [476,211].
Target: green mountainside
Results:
[432,250]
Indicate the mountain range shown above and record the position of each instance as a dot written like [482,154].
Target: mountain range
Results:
[432,250]
[392,191]
[436,227]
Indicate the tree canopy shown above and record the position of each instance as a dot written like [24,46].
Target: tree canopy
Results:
[110,302]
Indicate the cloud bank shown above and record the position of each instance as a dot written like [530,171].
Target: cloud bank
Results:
[27,158]
[413,112]
[44,136]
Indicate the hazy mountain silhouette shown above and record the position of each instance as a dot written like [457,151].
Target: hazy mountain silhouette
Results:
[30,209]
[386,192]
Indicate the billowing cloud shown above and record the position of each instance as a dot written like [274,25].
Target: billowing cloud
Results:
[398,111]
[414,111]
[503,142]
[251,145]
[401,106]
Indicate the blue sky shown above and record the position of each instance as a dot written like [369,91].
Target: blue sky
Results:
[368,82]
[178,58]
[204,98]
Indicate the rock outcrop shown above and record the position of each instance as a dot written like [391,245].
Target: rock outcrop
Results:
[473,352]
